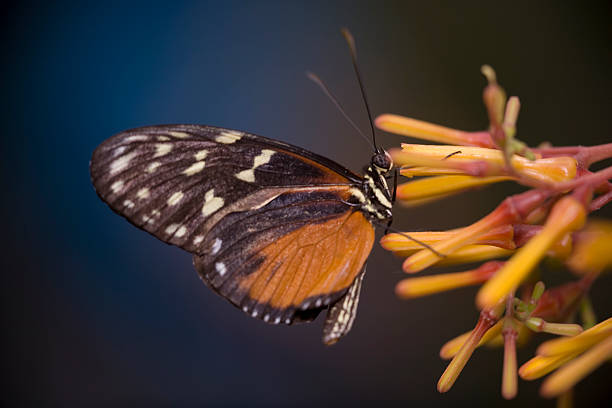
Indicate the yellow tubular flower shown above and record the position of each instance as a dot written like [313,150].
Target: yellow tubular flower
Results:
[501,237]
[426,285]
[567,215]
[457,159]
[475,253]
[510,211]
[567,376]
[427,171]
[488,318]
[591,252]
[428,131]
[452,247]
[577,343]
[467,254]
[539,366]
[550,169]
[434,188]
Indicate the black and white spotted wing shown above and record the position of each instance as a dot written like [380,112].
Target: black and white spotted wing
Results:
[273,228]
[169,179]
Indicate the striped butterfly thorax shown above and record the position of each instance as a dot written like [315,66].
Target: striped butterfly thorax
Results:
[279,231]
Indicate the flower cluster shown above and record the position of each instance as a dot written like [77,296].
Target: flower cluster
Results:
[549,220]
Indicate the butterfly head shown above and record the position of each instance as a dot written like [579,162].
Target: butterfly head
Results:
[382,162]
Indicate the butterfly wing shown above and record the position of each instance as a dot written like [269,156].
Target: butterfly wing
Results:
[304,269]
[342,313]
[269,224]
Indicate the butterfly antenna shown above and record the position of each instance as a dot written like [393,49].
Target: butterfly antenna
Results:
[314,78]
[351,43]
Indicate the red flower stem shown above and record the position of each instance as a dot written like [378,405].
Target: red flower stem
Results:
[593,154]
[584,155]
[480,139]
[557,151]
[524,232]
[600,201]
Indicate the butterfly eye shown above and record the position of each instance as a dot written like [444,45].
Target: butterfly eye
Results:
[382,161]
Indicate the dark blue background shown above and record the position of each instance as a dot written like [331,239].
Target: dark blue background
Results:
[100,313]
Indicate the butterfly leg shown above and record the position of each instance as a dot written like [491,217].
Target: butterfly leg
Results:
[394,186]
[388,226]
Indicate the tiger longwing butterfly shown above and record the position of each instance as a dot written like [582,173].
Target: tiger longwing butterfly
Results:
[277,230]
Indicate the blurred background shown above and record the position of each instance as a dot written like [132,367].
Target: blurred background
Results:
[99,313]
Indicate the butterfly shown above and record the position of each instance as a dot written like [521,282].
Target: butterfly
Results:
[279,231]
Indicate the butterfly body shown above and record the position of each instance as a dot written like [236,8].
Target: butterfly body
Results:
[280,232]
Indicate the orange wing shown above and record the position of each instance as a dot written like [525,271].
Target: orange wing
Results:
[303,270]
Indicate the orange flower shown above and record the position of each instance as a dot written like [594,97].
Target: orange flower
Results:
[545,221]
[567,215]
[577,356]
[428,131]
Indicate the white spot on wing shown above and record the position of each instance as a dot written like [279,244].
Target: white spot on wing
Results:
[119,151]
[246,175]
[179,135]
[198,240]
[163,138]
[117,186]
[211,203]
[277,320]
[121,163]
[162,149]
[263,158]
[143,193]
[152,167]
[171,229]
[228,136]
[260,160]
[175,198]
[180,232]
[220,267]
[128,204]
[216,246]
[194,168]
[136,138]
[149,218]
[201,155]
